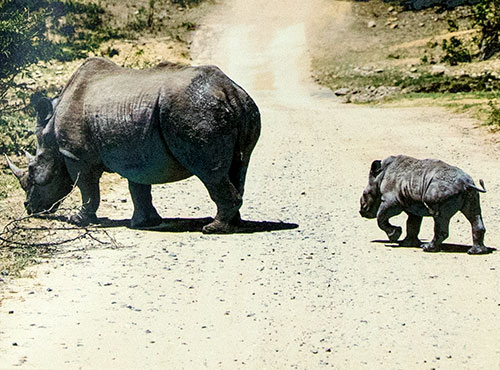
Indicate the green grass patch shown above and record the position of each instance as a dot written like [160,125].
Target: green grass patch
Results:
[493,114]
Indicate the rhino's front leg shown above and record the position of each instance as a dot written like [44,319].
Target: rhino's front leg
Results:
[145,215]
[385,212]
[89,189]
[413,224]
[441,232]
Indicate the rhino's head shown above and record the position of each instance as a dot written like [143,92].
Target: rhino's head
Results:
[371,198]
[46,181]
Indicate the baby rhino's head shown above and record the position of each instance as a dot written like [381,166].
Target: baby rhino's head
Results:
[371,198]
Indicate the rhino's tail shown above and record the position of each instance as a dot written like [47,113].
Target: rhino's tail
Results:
[248,133]
[481,182]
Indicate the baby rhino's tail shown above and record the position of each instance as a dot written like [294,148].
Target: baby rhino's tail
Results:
[481,182]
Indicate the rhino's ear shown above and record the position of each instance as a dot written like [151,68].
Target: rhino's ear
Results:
[45,111]
[376,168]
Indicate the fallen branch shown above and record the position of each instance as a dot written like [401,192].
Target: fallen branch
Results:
[16,234]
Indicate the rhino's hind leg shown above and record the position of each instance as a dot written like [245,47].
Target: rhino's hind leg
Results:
[228,201]
[145,215]
[441,232]
[472,211]
[413,224]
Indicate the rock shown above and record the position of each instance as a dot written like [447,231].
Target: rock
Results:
[421,4]
[379,70]
[413,70]
[342,91]
[391,8]
[372,24]
[438,69]
[394,25]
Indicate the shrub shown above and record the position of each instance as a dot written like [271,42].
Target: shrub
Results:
[185,3]
[455,51]
[22,43]
[494,115]
[486,17]
[27,28]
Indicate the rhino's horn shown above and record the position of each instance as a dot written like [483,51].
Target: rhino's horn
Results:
[30,157]
[19,173]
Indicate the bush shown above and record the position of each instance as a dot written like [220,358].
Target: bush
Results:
[27,30]
[455,51]
[23,42]
[185,3]
[486,16]
[494,115]
[16,133]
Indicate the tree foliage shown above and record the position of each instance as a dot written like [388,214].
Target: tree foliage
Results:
[40,30]
[34,30]
[486,17]
[22,42]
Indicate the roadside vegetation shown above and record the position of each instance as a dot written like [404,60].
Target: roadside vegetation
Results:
[42,43]
[435,56]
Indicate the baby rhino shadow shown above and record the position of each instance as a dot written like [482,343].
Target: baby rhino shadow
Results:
[445,247]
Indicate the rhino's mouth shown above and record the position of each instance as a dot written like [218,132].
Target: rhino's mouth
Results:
[40,210]
[367,213]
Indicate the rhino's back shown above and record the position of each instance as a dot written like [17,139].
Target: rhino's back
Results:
[428,181]
[140,122]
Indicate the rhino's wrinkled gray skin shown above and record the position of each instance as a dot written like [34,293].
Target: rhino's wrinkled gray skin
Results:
[421,188]
[151,126]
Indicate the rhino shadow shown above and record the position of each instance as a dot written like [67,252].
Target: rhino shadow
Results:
[179,225]
[445,247]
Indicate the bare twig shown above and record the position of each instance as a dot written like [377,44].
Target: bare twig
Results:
[10,234]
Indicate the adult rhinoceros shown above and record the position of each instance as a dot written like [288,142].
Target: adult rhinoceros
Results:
[151,126]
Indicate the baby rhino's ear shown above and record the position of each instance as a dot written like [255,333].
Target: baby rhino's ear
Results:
[376,168]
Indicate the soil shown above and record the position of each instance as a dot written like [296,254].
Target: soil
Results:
[314,285]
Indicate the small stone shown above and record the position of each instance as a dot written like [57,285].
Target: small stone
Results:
[342,91]
[372,24]
[394,26]
[438,69]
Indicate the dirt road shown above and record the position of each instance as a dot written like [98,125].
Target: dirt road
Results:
[318,295]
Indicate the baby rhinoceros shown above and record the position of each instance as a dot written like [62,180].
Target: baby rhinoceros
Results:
[420,188]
